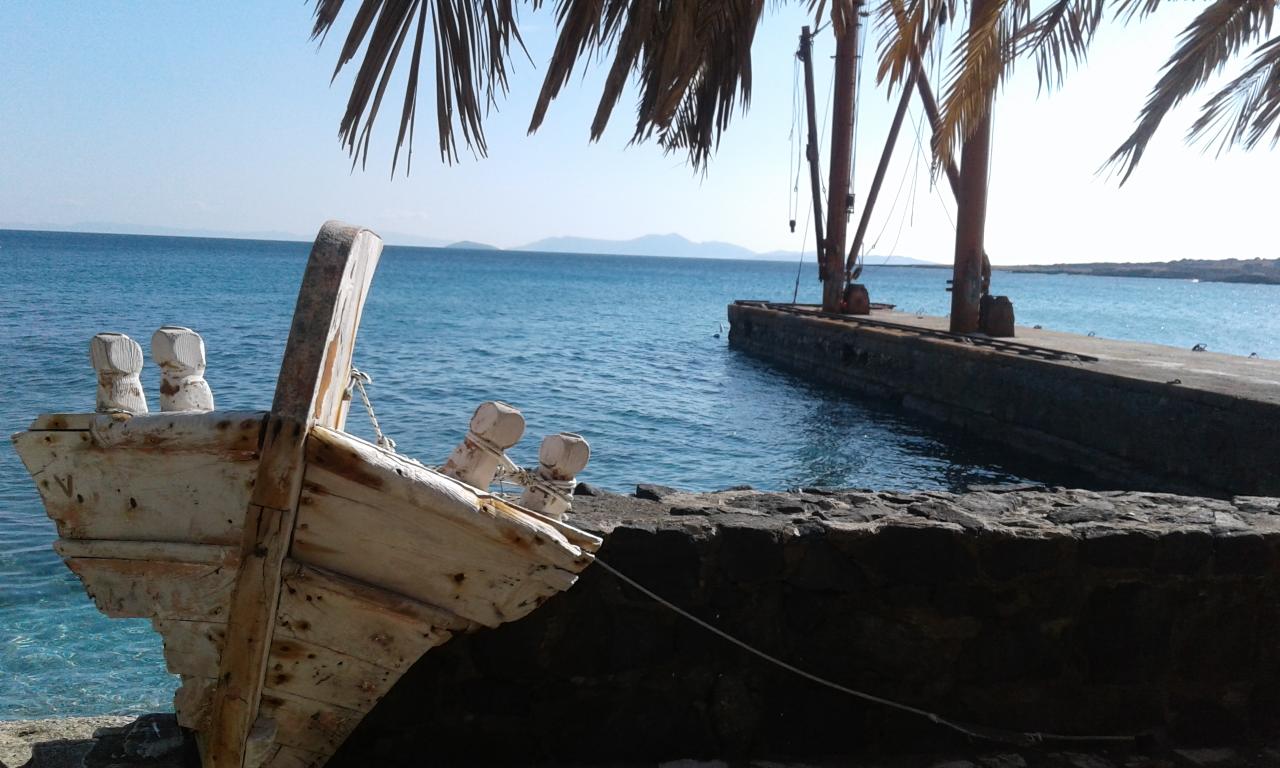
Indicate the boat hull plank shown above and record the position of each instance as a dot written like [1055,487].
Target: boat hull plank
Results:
[181,477]
[307,724]
[382,628]
[385,541]
[136,589]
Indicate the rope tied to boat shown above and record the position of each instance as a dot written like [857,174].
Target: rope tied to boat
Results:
[358,381]
[1002,735]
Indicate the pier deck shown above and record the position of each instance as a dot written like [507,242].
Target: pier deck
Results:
[1133,415]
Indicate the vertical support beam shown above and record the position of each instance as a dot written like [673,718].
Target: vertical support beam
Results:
[310,390]
[874,193]
[971,211]
[842,106]
[805,53]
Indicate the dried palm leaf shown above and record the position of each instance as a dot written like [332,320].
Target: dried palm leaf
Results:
[1205,47]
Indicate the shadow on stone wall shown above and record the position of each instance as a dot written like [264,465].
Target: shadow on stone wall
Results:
[1072,611]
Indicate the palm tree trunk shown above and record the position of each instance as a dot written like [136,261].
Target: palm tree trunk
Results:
[971,214]
[838,204]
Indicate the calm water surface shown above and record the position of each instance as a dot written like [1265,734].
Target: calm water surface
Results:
[620,349]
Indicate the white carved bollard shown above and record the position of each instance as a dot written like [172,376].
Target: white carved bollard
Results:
[180,354]
[495,427]
[560,458]
[118,362]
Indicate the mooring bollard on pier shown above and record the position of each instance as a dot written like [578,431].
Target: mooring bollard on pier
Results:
[117,359]
[179,352]
[495,427]
[560,458]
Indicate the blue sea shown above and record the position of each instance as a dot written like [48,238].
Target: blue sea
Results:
[629,351]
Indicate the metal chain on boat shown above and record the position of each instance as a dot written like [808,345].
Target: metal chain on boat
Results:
[358,380]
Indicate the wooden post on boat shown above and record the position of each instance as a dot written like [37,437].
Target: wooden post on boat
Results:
[311,389]
[560,458]
[117,359]
[180,354]
[971,208]
[840,203]
[495,427]
[805,54]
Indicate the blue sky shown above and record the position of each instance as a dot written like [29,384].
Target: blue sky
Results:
[221,117]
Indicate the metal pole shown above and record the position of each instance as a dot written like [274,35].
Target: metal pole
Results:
[971,211]
[811,150]
[883,167]
[839,204]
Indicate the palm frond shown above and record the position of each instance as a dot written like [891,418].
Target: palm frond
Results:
[1205,46]
[980,62]
[906,30]
[692,62]
[1248,108]
[472,43]
[1058,38]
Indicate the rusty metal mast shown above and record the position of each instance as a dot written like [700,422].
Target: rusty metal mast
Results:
[805,54]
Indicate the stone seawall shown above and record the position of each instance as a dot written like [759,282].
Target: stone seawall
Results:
[1066,611]
[1134,416]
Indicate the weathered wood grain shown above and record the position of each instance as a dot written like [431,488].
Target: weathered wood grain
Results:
[179,552]
[181,477]
[63,421]
[382,628]
[495,427]
[484,563]
[313,383]
[191,703]
[310,389]
[306,724]
[191,648]
[363,472]
[126,589]
[117,359]
[289,757]
[179,353]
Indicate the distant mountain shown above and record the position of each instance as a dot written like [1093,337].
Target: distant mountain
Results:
[646,245]
[673,245]
[471,245]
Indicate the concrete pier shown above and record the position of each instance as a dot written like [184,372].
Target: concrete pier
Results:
[1135,416]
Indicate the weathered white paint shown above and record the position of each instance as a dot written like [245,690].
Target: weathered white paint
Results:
[179,352]
[191,648]
[117,359]
[560,458]
[495,427]
[170,551]
[191,702]
[357,619]
[307,724]
[387,511]
[177,477]
[137,589]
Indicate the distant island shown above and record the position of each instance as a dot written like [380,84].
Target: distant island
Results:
[1265,271]
[471,245]
[679,246]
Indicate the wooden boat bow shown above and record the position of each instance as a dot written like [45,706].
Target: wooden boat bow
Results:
[294,571]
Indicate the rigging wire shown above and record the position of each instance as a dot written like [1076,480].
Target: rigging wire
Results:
[795,294]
